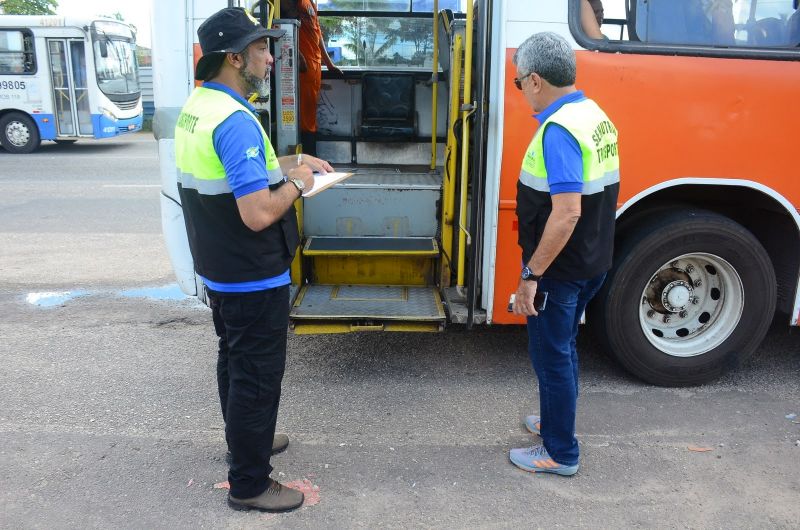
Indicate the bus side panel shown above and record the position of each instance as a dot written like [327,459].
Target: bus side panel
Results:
[678,117]
[699,117]
[518,130]
[30,94]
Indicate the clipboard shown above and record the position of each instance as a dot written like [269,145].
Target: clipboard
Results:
[323,182]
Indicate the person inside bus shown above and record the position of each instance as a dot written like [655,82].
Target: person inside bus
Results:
[592,18]
[717,25]
[239,212]
[312,53]
[566,206]
[702,22]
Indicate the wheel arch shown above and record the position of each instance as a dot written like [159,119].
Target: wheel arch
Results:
[766,213]
[4,112]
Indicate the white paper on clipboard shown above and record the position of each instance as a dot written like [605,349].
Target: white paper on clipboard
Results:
[323,182]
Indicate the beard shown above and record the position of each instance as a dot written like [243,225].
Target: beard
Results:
[252,83]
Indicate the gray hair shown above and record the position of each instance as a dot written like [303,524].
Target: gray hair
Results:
[548,55]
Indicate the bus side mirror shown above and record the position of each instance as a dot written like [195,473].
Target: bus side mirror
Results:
[103,49]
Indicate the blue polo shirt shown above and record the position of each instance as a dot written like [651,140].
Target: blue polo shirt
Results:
[234,140]
[562,154]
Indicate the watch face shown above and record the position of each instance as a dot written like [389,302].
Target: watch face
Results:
[299,183]
[526,273]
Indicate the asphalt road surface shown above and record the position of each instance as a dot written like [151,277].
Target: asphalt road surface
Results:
[109,416]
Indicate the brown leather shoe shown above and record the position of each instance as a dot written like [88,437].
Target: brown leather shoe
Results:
[276,498]
[279,445]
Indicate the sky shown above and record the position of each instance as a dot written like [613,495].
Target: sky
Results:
[136,12]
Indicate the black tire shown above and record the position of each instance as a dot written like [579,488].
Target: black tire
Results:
[19,133]
[709,330]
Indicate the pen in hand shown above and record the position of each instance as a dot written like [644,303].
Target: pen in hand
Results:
[299,151]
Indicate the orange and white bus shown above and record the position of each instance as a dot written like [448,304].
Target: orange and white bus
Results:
[424,235]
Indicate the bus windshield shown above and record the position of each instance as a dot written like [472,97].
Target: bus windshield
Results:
[115,63]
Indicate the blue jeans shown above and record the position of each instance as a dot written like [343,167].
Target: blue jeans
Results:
[551,344]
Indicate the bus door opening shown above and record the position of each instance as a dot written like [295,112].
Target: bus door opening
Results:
[70,87]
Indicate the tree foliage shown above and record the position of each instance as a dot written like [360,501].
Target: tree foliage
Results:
[29,7]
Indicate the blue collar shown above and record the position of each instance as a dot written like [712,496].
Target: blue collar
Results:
[232,93]
[557,104]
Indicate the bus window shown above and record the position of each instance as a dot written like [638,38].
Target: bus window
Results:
[723,24]
[418,6]
[367,42]
[16,52]
[380,41]
[748,23]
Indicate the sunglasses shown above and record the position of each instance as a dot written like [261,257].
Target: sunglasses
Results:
[518,80]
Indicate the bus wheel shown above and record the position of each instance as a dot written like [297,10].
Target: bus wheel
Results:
[691,295]
[18,133]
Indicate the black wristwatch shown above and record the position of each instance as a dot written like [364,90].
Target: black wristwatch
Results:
[529,276]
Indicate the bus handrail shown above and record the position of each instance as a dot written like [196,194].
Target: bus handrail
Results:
[465,113]
[435,78]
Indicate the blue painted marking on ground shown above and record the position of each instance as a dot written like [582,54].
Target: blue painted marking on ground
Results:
[53,299]
[170,292]
[166,292]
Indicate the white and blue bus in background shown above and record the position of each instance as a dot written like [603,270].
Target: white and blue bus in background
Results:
[63,78]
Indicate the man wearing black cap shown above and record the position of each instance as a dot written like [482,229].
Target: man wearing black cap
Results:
[242,229]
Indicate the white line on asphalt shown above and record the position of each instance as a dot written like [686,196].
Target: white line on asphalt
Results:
[131,185]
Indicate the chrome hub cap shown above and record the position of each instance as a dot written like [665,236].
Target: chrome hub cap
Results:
[691,304]
[18,133]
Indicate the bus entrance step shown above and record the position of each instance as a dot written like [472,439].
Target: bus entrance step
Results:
[371,260]
[369,305]
[371,246]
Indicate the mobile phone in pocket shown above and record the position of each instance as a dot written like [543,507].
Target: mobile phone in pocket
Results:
[539,301]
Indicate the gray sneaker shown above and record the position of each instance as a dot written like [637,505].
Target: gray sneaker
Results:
[276,498]
[279,445]
[534,424]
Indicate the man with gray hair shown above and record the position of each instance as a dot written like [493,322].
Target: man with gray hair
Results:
[566,203]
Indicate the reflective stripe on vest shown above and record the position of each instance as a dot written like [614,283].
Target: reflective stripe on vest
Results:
[597,138]
[199,166]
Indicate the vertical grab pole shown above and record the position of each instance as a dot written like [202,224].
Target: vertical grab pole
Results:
[451,164]
[465,112]
[435,78]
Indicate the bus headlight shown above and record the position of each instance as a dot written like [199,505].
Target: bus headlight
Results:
[107,113]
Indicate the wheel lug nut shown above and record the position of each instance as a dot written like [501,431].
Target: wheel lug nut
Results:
[683,314]
[695,300]
[651,314]
[698,283]
[666,319]
[690,268]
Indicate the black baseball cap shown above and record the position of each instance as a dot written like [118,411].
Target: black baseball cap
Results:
[229,30]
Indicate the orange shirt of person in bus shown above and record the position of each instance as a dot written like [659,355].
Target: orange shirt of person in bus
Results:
[312,54]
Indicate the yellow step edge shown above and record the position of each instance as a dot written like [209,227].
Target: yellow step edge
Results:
[383,252]
[322,328]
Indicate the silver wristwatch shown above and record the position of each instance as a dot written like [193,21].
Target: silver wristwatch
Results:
[299,184]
